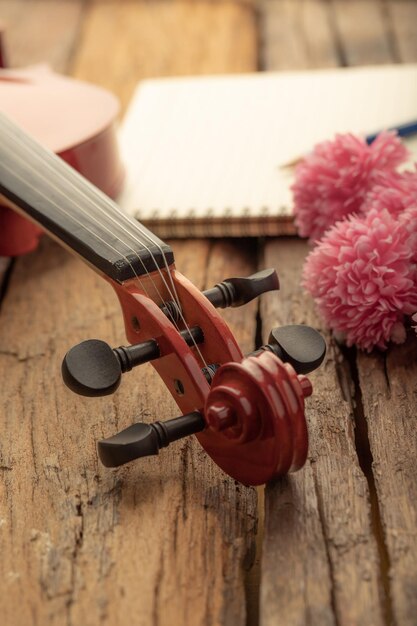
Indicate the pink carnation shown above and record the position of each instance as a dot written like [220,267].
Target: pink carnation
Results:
[408,221]
[363,277]
[392,191]
[332,182]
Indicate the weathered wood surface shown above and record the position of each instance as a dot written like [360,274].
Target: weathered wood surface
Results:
[125,41]
[40,31]
[347,523]
[402,15]
[388,394]
[320,558]
[362,33]
[308,34]
[164,541]
[297,35]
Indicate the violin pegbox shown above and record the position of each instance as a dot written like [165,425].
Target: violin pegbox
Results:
[249,414]
[253,423]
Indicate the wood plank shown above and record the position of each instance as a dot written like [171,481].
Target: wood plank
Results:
[163,541]
[40,31]
[388,385]
[164,39]
[296,35]
[362,32]
[296,577]
[320,558]
[403,20]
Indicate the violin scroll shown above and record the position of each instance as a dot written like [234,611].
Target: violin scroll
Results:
[258,406]
[253,423]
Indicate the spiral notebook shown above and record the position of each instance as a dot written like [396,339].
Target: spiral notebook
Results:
[209,156]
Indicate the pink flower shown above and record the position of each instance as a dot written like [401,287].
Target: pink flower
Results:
[392,191]
[408,221]
[363,277]
[332,182]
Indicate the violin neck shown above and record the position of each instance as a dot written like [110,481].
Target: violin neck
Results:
[52,194]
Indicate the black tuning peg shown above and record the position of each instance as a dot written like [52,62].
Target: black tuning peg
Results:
[142,439]
[92,368]
[237,291]
[301,346]
[232,292]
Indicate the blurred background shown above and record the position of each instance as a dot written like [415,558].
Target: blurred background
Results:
[115,43]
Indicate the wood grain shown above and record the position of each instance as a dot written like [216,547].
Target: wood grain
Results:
[296,35]
[320,558]
[388,385]
[362,32]
[402,16]
[40,31]
[166,540]
[125,41]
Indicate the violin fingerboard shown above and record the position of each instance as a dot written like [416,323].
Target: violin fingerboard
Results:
[65,204]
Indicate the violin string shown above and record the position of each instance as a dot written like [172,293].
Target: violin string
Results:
[93,190]
[96,193]
[106,243]
[83,225]
[117,211]
[131,234]
[49,159]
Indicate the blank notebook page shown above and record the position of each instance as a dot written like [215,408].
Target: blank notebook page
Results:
[214,146]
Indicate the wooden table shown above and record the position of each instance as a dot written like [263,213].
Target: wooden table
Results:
[171,540]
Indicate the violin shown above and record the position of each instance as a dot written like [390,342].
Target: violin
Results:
[73,119]
[248,412]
